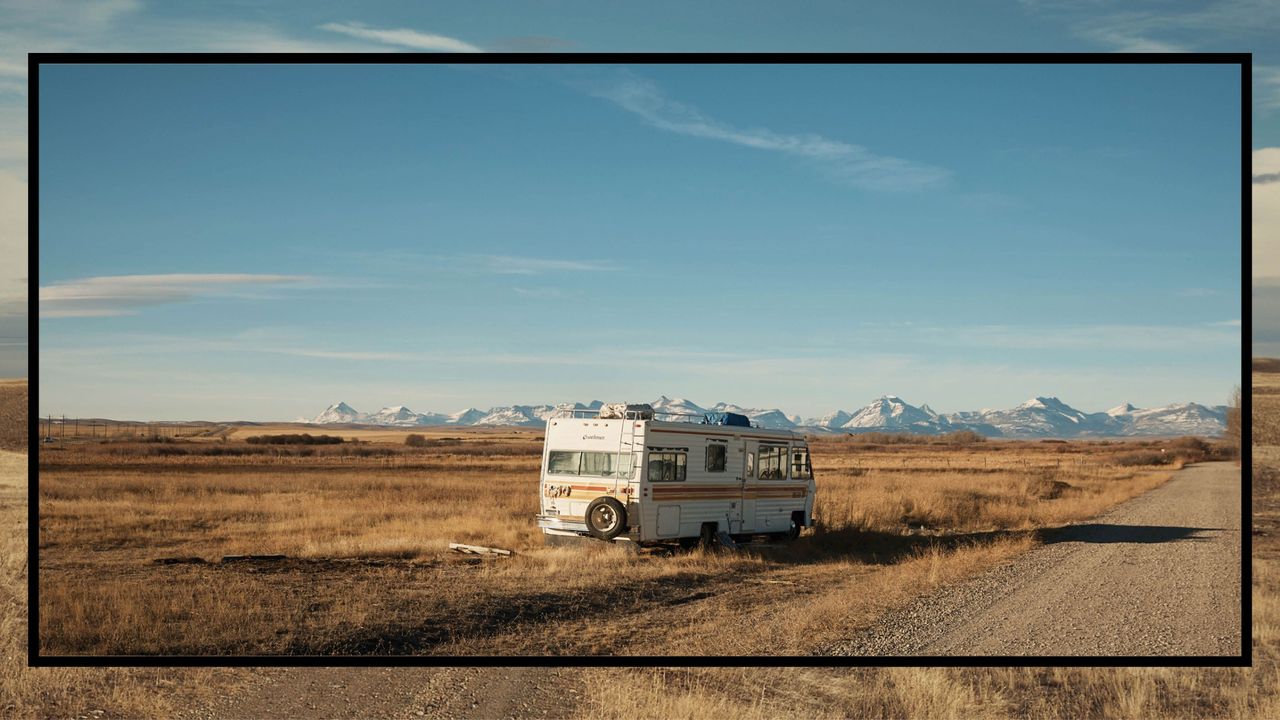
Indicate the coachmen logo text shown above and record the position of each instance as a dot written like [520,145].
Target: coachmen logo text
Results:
[592,437]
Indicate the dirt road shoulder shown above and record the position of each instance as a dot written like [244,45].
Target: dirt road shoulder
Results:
[1158,575]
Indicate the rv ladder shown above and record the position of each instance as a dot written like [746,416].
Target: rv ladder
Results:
[627,444]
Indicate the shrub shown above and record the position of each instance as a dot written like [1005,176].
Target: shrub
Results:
[962,437]
[1191,445]
[303,439]
[1233,419]
[1143,457]
[884,438]
[415,440]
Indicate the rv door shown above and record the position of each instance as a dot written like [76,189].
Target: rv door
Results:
[746,475]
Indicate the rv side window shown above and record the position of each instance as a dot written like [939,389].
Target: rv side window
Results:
[560,462]
[800,467]
[598,464]
[666,466]
[716,453]
[773,461]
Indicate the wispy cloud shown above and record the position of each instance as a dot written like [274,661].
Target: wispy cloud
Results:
[1223,25]
[393,261]
[540,293]
[534,44]
[1127,33]
[851,163]
[336,354]
[402,37]
[512,265]
[126,294]
[125,25]
[1265,223]
[1080,337]
[12,305]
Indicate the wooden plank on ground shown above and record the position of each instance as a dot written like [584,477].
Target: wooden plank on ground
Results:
[478,550]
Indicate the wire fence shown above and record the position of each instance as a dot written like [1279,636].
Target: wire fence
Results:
[55,428]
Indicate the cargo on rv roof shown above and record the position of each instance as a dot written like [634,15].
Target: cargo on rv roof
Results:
[626,411]
[645,411]
[726,418]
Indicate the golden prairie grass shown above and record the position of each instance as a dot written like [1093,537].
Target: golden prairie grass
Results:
[1266,408]
[73,692]
[13,415]
[367,534]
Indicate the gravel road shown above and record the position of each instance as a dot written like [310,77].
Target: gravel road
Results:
[459,693]
[1158,575]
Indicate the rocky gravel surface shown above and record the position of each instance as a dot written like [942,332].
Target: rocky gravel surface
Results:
[461,693]
[1158,575]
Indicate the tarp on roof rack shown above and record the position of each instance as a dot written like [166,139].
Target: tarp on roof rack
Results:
[628,411]
[727,418]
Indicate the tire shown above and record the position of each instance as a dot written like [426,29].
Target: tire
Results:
[707,539]
[606,518]
[797,522]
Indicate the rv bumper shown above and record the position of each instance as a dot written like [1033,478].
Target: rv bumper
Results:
[556,525]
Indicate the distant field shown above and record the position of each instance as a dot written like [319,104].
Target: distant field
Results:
[365,527]
[1266,408]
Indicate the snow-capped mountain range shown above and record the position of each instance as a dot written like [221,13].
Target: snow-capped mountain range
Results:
[1039,417]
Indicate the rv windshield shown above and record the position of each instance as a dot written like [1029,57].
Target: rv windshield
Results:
[593,464]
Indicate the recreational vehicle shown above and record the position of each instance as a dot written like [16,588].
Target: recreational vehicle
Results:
[626,473]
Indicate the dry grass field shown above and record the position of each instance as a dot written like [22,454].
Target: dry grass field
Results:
[66,692]
[365,528]
[13,415]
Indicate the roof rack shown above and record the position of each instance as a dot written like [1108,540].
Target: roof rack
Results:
[659,415]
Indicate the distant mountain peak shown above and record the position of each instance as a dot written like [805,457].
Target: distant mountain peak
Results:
[1038,417]
[339,412]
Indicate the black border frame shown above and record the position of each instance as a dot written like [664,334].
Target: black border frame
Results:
[1244,61]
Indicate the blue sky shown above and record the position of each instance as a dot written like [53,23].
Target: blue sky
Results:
[254,243]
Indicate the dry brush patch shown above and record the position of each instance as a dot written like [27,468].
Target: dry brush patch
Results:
[1266,408]
[13,415]
[366,534]
[74,692]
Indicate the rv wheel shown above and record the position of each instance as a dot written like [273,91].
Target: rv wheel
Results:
[707,538]
[797,522]
[606,518]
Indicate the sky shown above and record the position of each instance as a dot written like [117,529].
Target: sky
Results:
[232,242]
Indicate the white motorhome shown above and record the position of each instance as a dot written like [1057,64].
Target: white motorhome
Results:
[626,473]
